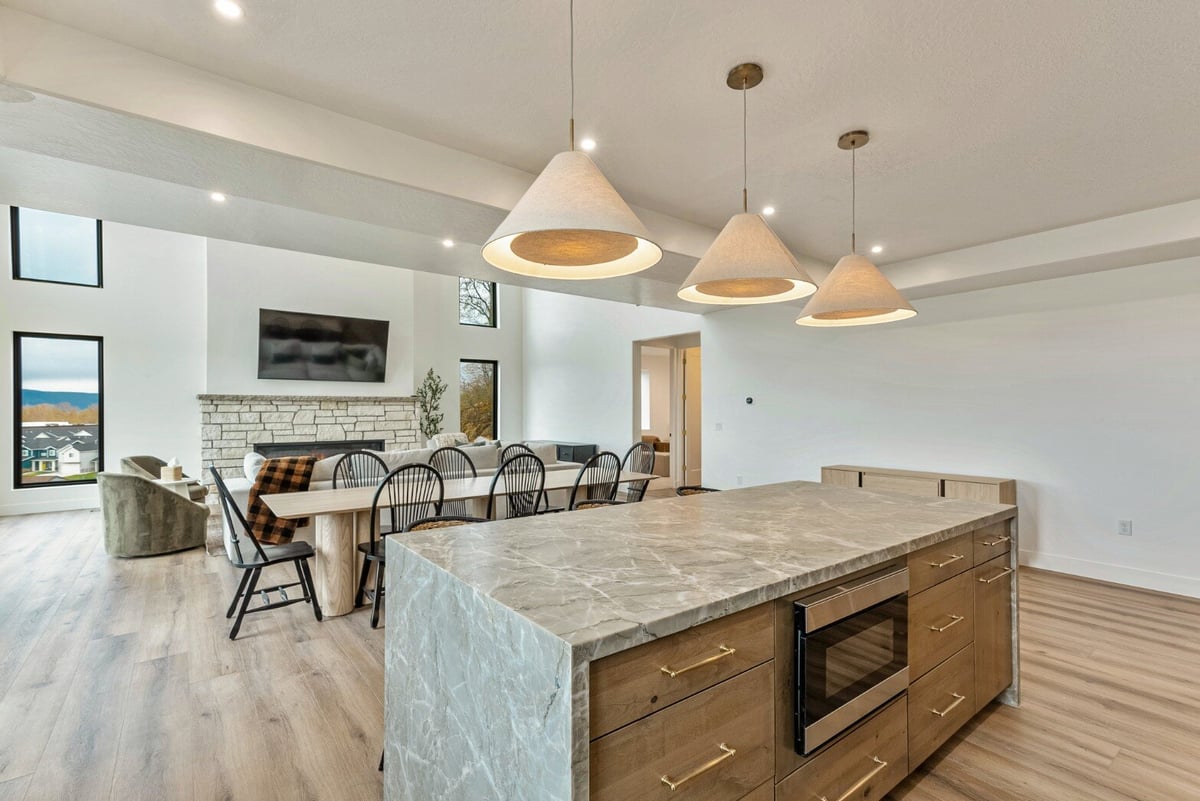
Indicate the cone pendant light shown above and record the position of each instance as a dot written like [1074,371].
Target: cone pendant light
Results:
[855,293]
[571,223]
[746,263]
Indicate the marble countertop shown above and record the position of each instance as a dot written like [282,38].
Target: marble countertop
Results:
[604,580]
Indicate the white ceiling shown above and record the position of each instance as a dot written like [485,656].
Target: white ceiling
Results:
[988,120]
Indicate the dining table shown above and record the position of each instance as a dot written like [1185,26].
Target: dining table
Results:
[342,519]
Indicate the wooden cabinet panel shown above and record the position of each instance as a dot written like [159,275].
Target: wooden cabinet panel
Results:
[714,746]
[937,563]
[995,491]
[864,765]
[993,628]
[941,621]
[939,704]
[634,683]
[909,485]
[990,542]
[764,792]
[838,477]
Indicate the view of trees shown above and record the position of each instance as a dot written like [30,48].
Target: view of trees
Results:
[477,398]
[476,302]
[60,413]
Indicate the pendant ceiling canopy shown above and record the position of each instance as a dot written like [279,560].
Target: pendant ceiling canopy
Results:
[747,263]
[856,292]
[571,223]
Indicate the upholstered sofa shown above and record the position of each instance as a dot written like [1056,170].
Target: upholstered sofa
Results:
[485,457]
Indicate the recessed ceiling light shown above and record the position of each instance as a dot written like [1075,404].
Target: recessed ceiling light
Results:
[877,249]
[768,210]
[228,9]
[588,144]
[447,243]
[218,197]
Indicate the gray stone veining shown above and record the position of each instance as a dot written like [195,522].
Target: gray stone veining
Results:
[491,627]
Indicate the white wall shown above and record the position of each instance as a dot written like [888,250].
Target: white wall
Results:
[151,313]
[245,278]
[579,365]
[1084,389]
[657,361]
[440,342]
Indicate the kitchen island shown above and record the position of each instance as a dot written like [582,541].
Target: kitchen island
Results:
[513,647]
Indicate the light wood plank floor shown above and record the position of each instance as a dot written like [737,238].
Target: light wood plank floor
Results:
[117,681]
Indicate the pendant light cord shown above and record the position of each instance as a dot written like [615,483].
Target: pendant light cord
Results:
[853,202]
[571,11]
[745,150]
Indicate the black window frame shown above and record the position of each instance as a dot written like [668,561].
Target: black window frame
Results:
[495,316]
[495,392]
[14,220]
[18,404]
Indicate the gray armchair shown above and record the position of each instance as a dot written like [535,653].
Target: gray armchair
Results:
[151,467]
[142,518]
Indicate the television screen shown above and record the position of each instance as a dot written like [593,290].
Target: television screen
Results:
[319,347]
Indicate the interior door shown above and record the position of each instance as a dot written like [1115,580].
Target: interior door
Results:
[691,416]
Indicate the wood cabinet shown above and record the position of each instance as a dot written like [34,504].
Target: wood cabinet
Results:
[992,585]
[929,486]
[939,704]
[990,542]
[941,622]
[916,482]
[937,563]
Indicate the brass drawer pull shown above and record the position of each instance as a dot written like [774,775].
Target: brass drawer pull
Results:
[958,699]
[953,558]
[858,785]
[954,621]
[725,651]
[675,784]
[996,577]
[997,541]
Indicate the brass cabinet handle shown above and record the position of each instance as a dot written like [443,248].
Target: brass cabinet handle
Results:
[996,577]
[953,558]
[954,621]
[675,784]
[997,541]
[725,651]
[858,785]
[958,699]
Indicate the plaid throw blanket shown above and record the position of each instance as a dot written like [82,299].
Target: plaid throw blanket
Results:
[286,474]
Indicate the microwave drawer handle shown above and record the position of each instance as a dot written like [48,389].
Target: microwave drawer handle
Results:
[958,699]
[724,649]
[675,784]
[996,577]
[858,785]
[954,621]
[995,542]
[953,558]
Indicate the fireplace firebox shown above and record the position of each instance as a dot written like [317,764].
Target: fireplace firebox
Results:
[273,450]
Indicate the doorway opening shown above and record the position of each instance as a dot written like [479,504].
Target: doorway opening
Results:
[666,405]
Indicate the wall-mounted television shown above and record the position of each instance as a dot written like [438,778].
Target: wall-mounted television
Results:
[319,347]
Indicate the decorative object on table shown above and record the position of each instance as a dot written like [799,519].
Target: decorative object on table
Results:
[601,473]
[571,223]
[429,403]
[151,467]
[405,495]
[524,476]
[171,471]
[443,521]
[685,491]
[746,263]
[855,292]
[143,518]
[638,459]
[320,347]
[286,474]
[252,561]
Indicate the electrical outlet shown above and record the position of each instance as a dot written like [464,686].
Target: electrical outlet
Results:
[1125,528]
[741,480]
[719,427]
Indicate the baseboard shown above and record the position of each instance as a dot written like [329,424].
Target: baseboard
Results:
[39,507]
[1115,574]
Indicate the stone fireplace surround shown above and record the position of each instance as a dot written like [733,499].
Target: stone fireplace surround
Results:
[231,425]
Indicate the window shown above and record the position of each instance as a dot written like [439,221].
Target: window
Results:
[645,400]
[58,248]
[476,302]
[477,399]
[60,409]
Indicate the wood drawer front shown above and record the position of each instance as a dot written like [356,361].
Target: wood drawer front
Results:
[841,767]
[990,542]
[941,622]
[632,684]
[764,792]
[939,705]
[909,485]
[629,764]
[993,629]
[839,478]
[939,562]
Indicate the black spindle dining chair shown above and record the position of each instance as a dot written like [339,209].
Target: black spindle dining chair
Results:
[453,463]
[358,469]
[638,459]
[524,485]
[512,450]
[596,484]
[406,494]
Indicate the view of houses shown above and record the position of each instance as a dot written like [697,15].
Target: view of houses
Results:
[58,452]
